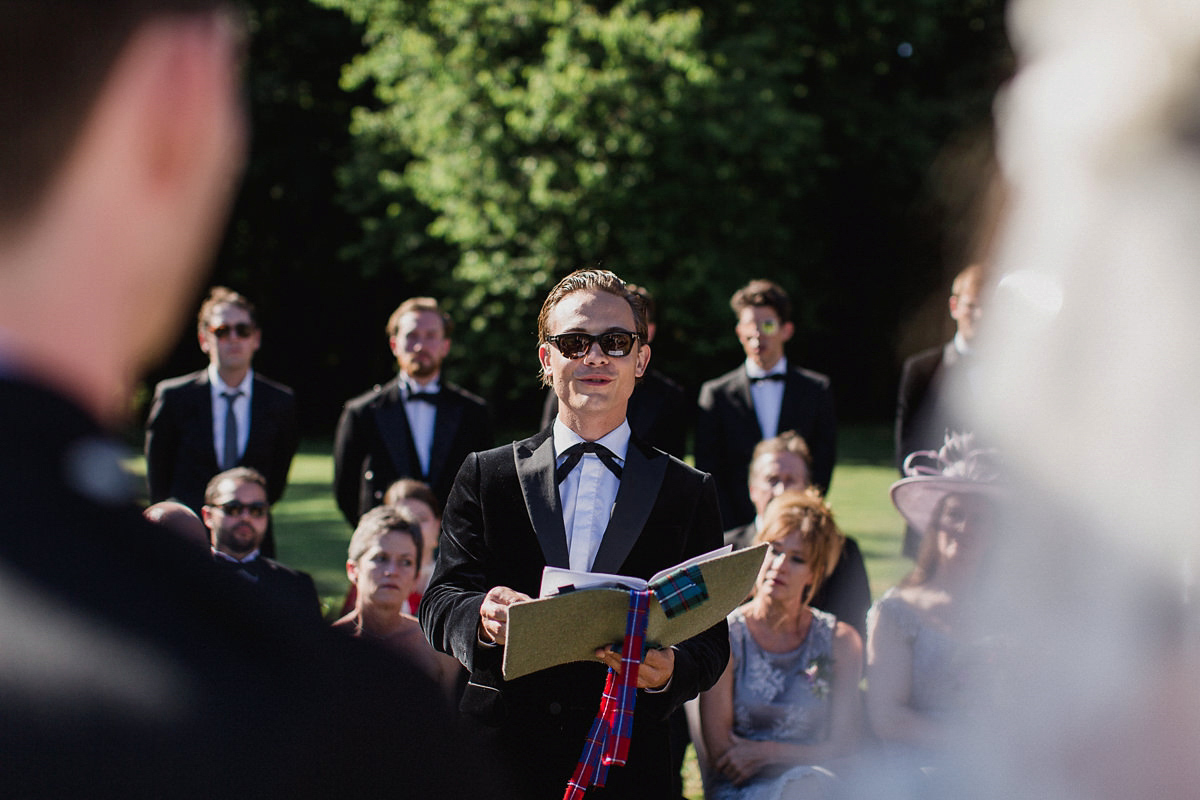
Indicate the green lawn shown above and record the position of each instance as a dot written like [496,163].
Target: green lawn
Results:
[312,535]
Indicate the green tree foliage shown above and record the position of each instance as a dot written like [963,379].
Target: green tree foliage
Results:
[689,146]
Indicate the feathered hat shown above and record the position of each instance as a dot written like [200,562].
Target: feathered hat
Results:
[958,468]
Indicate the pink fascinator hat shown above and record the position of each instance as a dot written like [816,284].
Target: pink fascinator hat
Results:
[958,468]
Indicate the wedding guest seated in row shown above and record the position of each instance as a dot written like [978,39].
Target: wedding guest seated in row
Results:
[926,654]
[783,463]
[419,501]
[179,520]
[384,556]
[786,712]
[236,512]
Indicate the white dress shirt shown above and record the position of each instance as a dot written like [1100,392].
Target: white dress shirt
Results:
[421,419]
[241,410]
[588,492]
[767,395]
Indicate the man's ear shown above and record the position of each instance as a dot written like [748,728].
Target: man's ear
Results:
[544,357]
[643,360]
[352,571]
[788,329]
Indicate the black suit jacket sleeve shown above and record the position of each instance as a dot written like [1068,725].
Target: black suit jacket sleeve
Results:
[350,448]
[162,443]
[274,434]
[916,378]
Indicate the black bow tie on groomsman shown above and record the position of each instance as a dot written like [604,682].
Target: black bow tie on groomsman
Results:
[424,397]
[774,376]
[575,452]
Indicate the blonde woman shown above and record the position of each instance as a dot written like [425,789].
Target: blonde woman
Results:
[787,707]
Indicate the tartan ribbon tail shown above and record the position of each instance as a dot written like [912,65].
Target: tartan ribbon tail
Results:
[608,740]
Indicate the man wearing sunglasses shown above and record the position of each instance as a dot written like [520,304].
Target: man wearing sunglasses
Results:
[588,494]
[223,416]
[763,397]
[236,513]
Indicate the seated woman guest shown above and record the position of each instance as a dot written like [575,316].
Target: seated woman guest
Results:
[418,500]
[787,706]
[384,555]
[926,657]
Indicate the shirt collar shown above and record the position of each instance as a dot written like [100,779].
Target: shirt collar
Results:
[410,386]
[214,378]
[962,345]
[754,371]
[616,440]
[226,557]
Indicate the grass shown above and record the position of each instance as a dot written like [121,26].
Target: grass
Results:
[312,535]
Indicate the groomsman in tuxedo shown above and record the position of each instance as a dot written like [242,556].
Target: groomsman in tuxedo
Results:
[416,425]
[764,396]
[588,494]
[925,411]
[221,417]
[236,514]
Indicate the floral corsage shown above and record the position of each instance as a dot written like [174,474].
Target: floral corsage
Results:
[819,672]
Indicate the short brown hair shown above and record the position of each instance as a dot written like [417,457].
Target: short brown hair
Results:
[55,60]
[786,442]
[969,278]
[411,488]
[762,292]
[804,510]
[379,522]
[413,304]
[238,474]
[223,296]
[600,280]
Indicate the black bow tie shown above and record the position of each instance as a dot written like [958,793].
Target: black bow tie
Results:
[774,376]
[245,570]
[575,452]
[423,397]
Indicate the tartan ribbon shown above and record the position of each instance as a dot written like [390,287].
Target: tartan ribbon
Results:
[608,740]
[680,590]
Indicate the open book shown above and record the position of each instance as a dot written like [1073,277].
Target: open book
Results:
[582,611]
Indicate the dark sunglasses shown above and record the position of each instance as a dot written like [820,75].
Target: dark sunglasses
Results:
[234,508]
[244,330]
[576,345]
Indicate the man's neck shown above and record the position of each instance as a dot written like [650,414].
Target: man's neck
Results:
[764,365]
[590,429]
[232,378]
[422,381]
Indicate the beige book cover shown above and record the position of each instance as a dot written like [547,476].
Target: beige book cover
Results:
[570,626]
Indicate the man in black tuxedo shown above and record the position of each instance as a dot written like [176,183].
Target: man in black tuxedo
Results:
[617,506]
[761,398]
[131,669]
[415,426]
[236,513]
[660,411]
[925,412]
[221,417]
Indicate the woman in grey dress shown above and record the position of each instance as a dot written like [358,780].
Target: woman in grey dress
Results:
[787,706]
[926,656]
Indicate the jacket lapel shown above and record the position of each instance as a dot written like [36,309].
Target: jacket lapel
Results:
[640,481]
[742,397]
[445,423]
[393,429]
[535,470]
[202,396]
